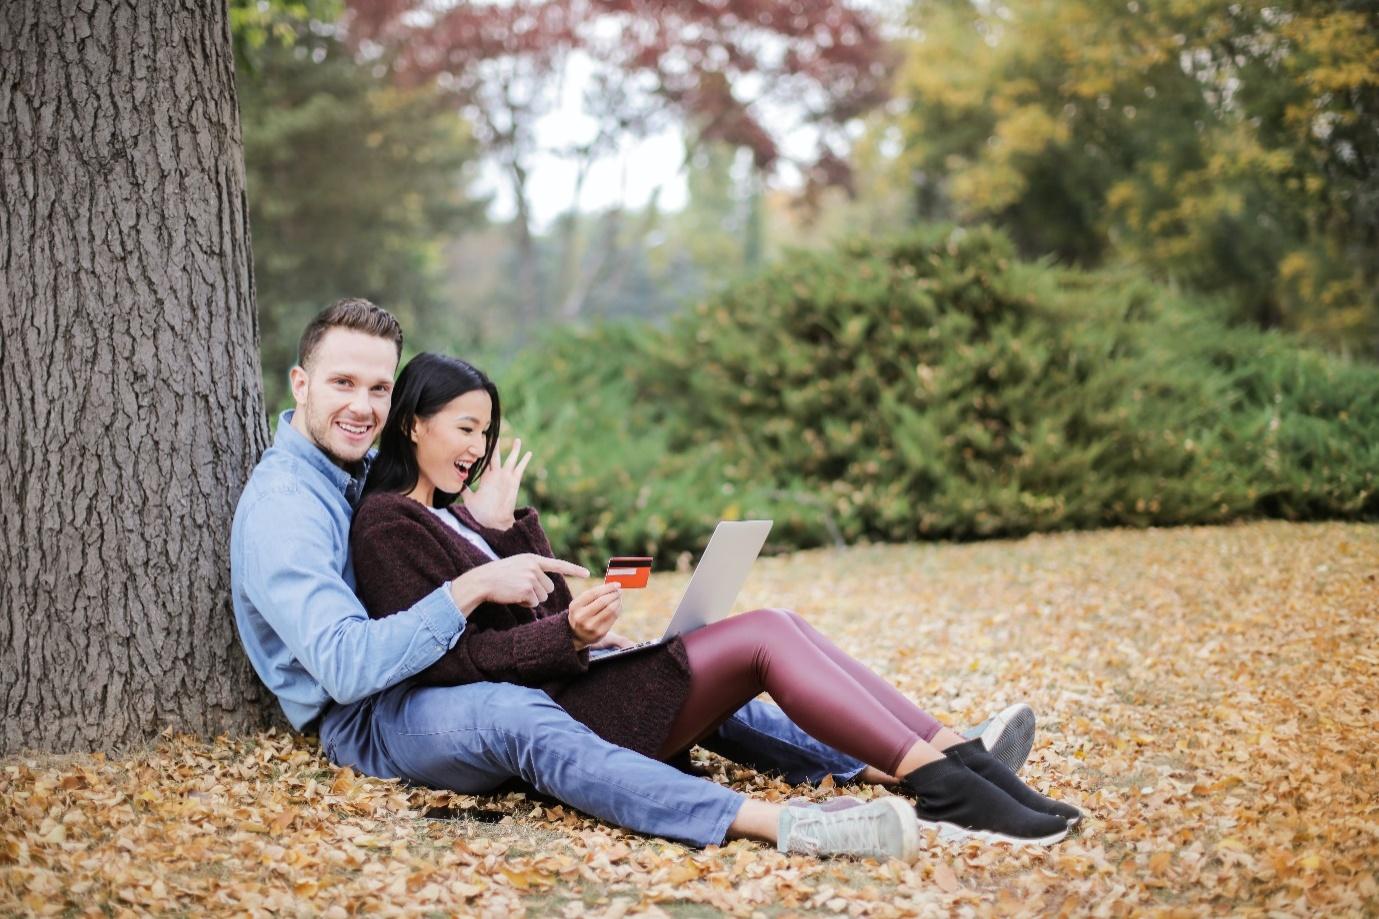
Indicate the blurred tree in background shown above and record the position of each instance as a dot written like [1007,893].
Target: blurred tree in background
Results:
[664,259]
[1231,146]
[1228,147]
[716,70]
[846,367]
[354,183]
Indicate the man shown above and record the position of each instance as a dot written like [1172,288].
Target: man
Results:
[335,670]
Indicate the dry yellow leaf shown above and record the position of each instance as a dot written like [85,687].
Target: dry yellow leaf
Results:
[343,782]
[944,877]
[283,820]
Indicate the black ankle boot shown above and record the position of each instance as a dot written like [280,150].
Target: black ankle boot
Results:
[975,757]
[960,803]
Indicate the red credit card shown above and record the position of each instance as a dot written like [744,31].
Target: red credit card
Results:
[628,570]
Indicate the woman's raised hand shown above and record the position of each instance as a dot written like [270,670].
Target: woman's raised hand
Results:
[593,613]
[494,501]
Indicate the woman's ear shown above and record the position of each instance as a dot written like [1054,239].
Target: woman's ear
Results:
[412,430]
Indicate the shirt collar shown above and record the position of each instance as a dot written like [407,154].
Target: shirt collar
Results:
[290,440]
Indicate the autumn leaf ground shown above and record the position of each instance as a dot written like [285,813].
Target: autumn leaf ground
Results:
[1209,696]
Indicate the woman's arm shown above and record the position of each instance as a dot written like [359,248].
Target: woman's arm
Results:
[525,534]
[490,509]
[397,557]
[530,654]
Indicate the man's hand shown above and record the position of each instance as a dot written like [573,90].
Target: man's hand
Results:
[518,579]
[495,500]
[593,613]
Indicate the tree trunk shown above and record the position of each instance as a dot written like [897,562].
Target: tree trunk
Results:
[529,281]
[129,373]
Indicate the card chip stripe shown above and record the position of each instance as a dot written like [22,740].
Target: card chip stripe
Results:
[630,571]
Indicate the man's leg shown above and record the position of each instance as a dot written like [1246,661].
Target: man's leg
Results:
[471,738]
[762,737]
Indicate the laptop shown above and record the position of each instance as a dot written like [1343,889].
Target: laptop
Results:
[715,584]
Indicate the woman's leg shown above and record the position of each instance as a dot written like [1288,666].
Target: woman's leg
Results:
[970,753]
[924,724]
[765,651]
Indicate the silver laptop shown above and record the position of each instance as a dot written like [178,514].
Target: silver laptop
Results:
[715,584]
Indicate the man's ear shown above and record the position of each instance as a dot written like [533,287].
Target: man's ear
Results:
[297,377]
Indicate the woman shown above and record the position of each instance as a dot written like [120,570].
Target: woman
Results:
[409,534]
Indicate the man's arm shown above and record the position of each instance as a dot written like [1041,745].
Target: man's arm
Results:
[398,559]
[292,576]
[525,536]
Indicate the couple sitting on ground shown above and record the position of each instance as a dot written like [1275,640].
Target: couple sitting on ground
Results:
[463,662]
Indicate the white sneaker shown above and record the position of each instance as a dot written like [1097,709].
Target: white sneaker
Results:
[884,828]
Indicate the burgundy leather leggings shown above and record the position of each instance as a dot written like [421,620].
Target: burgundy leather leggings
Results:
[833,697]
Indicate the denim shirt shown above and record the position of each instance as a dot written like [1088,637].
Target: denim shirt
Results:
[292,582]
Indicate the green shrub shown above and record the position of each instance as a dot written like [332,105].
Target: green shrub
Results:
[934,386]
[605,476]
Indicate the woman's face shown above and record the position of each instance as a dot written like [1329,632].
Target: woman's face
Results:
[451,442]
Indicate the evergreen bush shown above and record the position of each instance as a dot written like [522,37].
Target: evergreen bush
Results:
[934,386]
[605,475]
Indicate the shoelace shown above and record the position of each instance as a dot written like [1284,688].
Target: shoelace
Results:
[852,833]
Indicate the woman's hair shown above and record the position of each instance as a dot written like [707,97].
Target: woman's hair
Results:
[426,385]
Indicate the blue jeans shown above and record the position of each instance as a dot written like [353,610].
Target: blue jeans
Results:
[761,736]
[472,738]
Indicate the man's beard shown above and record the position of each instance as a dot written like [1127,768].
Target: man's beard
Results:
[320,430]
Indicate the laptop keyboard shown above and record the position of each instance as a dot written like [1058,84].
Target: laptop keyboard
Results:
[603,654]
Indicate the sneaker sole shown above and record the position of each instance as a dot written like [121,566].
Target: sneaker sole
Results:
[951,832]
[1010,736]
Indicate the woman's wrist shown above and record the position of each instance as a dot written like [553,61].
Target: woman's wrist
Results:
[500,524]
[575,639]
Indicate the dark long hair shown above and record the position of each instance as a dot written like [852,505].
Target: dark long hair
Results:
[426,385]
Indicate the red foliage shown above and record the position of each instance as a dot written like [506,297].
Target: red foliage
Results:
[729,68]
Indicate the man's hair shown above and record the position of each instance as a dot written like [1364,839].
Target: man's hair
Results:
[353,313]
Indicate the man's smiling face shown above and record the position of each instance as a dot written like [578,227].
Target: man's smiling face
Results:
[344,393]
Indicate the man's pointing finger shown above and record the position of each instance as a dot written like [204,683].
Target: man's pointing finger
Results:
[557,566]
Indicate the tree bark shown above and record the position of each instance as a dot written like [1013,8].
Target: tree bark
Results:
[129,373]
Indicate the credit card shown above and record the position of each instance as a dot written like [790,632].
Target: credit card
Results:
[628,570]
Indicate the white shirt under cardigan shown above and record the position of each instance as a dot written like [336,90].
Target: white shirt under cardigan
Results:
[454,523]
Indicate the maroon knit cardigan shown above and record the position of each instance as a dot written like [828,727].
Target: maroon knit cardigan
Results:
[402,552]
